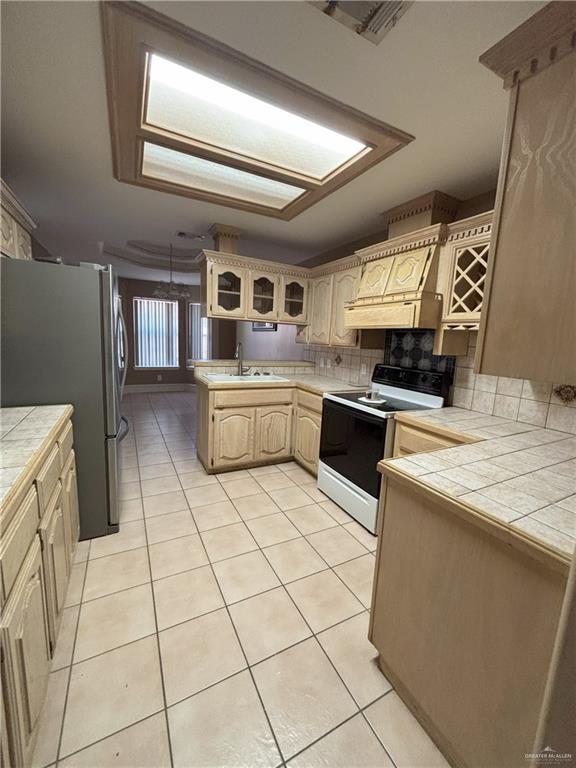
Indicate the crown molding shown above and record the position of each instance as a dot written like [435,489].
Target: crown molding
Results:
[481,224]
[14,207]
[420,238]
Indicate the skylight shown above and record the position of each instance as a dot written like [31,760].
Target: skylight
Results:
[191,116]
[187,102]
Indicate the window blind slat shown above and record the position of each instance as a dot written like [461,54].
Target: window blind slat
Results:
[199,333]
[156,333]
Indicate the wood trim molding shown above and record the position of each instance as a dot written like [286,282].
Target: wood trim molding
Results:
[131,30]
[14,207]
[435,201]
[245,262]
[433,235]
[471,227]
[340,265]
[542,40]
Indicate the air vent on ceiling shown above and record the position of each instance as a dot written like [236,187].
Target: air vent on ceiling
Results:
[370,20]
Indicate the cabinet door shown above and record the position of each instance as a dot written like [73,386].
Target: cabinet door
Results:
[26,648]
[70,502]
[320,311]
[233,436]
[375,276]
[273,432]
[263,294]
[7,234]
[407,271]
[227,291]
[307,439]
[344,289]
[294,300]
[55,558]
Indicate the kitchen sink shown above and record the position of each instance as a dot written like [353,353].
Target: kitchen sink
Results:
[224,377]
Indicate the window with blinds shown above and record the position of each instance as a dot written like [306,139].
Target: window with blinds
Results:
[156,333]
[199,334]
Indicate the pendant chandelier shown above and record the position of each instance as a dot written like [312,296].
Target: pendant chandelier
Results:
[171,290]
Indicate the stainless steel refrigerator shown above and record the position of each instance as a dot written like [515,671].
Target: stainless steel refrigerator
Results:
[63,340]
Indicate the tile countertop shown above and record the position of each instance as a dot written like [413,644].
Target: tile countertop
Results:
[24,432]
[521,475]
[316,384]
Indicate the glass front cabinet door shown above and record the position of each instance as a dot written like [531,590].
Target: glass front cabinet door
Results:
[263,296]
[294,300]
[228,293]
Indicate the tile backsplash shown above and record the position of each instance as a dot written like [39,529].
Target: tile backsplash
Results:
[531,402]
[355,366]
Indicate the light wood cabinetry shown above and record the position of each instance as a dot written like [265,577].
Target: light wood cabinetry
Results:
[531,280]
[15,226]
[344,289]
[234,430]
[294,300]
[263,296]
[273,433]
[40,525]
[320,310]
[227,291]
[307,425]
[413,436]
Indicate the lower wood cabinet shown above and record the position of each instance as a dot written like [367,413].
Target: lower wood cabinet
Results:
[26,654]
[56,558]
[234,430]
[273,432]
[419,438]
[307,438]
[70,501]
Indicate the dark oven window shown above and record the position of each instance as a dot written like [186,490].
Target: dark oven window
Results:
[352,444]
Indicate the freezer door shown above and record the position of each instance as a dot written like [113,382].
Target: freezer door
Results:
[110,329]
[113,480]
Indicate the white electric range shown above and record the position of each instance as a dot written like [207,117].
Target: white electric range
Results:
[358,431]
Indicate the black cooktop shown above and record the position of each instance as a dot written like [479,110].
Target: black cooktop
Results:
[388,404]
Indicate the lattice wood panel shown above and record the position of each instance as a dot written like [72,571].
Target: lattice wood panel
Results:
[469,278]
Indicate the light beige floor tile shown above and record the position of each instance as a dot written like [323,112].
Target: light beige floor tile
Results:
[228,541]
[290,498]
[335,545]
[313,491]
[405,740]
[128,491]
[65,640]
[109,692]
[197,479]
[46,750]
[183,455]
[164,503]
[131,510]
[244,576]
[187,466]
[268,623]
[75,585]
[272,529]
[144,745]
[158,485]
[111,574]
[266,471]
[360,533]
[170,526]
[358,575]
[148,459]
[205,494]
[276,482]
[335,511]
[130,536]
[128,461]
[294,559]
[215,515]
[114,620]
[199,653]
[323,600]
[82,551]
[237,489]
[237,474]
[310,519]
[176,555]
[300,476]
[303,695]
[351,745]
[185,596]
[157,470]
[288,465]
[129,475]
[355,658]
[223,726]
[255,506]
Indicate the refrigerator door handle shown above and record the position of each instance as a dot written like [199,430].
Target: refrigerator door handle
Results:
[125,346]
[124,428]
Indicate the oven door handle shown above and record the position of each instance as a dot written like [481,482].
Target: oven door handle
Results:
[354,412]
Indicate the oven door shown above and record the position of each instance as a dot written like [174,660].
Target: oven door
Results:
[352,442]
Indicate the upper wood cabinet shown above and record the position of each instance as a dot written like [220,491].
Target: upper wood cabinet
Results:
[321,310]
[407,271]
[15,226]
[227,291]
[344,289]
[375,275]
[294,299]
[263,296]
[528,324]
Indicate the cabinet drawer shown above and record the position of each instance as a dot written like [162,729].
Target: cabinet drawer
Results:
[48,477]
[65,441]
[400,315]
[309,400]
[411,440]
[249,397]
[16,540]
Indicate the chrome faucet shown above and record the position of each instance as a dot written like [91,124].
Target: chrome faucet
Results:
[238,356]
